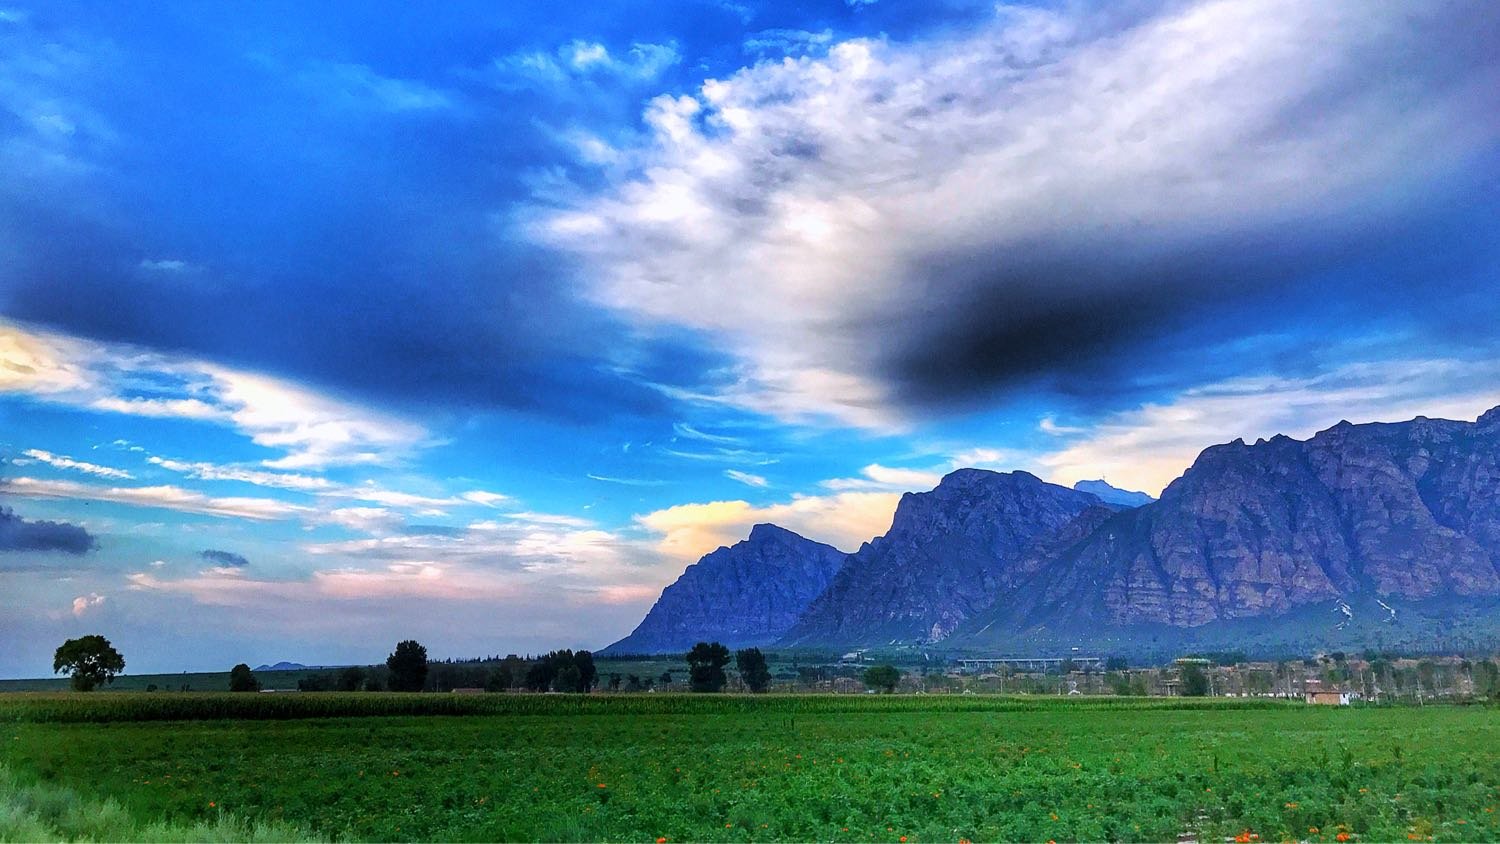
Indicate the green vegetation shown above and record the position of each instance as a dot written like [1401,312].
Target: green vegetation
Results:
[757,767]
[706,663]
[751,664]
[242,679]
[46,812]
[90,660]
[408,667]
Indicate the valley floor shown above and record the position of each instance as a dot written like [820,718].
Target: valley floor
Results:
[718,768]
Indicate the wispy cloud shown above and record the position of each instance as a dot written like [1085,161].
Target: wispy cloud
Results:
[164,497]
[746,478]
[626,481]
[581,60]
[59,461]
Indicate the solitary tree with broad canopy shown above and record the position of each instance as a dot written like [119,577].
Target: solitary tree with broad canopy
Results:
[92,660]
[706,663]
[242,680]
[408,667]
[751,664]
[883,677]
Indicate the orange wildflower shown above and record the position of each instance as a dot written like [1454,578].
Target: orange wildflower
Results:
[903,839]
[601,785]
[661,841]
[212,804]
[1342,836]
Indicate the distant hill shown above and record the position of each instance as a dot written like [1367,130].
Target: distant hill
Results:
[282,666]
[1376,535]
[1110,494]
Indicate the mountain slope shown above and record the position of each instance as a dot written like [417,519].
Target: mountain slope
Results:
[948,553]
[1111,494]
[746,594]
[1361,514]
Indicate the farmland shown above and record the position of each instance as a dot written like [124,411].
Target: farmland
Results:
[733,768]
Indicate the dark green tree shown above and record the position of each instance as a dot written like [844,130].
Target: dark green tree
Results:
[588,674]
[539,676]
[91,660]
[408,666]
[568,679]
[1194,681]
[242,680]
[883,677]
[500,680]
[351,679]
[753,669]
[706,663]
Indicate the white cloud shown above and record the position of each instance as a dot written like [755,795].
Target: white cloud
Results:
[311,430]
[820,218]
[58,461]
[979,458]
[1148,447]
[878,477]
[83,604]
[746,478]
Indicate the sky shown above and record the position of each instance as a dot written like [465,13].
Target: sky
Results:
[324,326]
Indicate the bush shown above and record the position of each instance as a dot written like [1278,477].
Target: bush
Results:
[883,677]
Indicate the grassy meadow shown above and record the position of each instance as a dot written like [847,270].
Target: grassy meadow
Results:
[739,768]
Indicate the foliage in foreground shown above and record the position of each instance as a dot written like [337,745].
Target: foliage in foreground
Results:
[867,774]
[47,812]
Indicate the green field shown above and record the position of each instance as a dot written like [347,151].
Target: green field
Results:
[721,768]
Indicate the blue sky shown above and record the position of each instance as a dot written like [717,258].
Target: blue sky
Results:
[326,326]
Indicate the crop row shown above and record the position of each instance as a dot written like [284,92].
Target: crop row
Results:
[98,707]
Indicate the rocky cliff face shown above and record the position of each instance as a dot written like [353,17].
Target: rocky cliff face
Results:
[1406,511]
[747,594]
[948,554]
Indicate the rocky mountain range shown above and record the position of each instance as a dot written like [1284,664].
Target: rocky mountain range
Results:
[1383,533]
[948,553]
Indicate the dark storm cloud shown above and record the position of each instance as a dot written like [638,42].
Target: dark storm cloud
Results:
[224,558]
[17,534]
[1051,200]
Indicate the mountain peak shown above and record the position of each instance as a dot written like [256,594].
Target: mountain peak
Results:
[766,532]
[1490,420]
